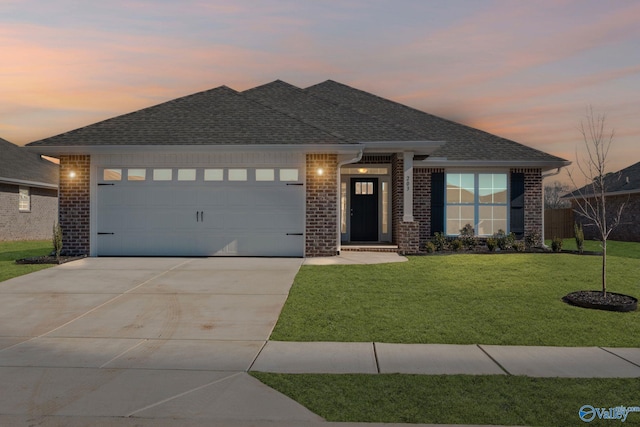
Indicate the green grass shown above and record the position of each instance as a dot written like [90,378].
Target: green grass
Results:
[456,399]
[11,251]
[502,299]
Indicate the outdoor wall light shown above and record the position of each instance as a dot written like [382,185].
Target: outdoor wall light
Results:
[72,174]
[320,171]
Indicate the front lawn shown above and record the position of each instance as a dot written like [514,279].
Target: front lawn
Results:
[456,399]
[11,251]
[503,299]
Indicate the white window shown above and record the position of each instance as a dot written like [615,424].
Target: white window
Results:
[343,207]
[162,174]
[213,174]
[479,199]
[364,188]
[265,175]
[385,207]
[237,174]
[136,174]
[112,174]
[288,174]
[186,174]
[24,199]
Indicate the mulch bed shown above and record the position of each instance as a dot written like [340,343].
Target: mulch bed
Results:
[48,259]
[596,300]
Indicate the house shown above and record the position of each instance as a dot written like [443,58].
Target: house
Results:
[277,170]
[620,187]
[28,194]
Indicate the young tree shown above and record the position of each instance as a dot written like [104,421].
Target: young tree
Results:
[591,202]
[553,193]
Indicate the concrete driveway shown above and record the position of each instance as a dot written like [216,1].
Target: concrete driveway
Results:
[142,341]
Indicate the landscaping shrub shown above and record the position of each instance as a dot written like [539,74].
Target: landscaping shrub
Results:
[556,244]
[57,239]
[430,247]
[467,237]
[519,246]
[505,241]
[579,236]
[456,245]
[440,241]
[533,240]
[492,243]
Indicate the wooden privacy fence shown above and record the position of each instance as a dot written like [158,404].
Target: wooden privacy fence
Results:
[558,223]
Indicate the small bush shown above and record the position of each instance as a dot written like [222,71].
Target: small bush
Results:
[533,240]
[519,246]
[468,237]
[556,244]
[440,241]
[579,235]
[456,245]
[492,243]
[430,247]
[505,241]
[57,239]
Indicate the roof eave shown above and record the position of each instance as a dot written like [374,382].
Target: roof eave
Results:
[544,165]
[28,183]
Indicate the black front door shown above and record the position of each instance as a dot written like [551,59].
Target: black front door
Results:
[364,209]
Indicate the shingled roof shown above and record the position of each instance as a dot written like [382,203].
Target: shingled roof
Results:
[279,113]
[20,166]
[625,181]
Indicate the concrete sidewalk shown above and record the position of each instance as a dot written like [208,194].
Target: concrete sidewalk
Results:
[446,359]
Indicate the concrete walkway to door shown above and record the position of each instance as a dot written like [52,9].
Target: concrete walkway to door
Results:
[143,341]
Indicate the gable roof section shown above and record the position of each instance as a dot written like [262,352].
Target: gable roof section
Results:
[21,167]
[625,181]
[278,113]
[213,117]
[462,142]
[341,121]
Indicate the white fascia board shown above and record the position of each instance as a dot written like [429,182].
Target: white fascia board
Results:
[444,163]
[27,183]
[199,148]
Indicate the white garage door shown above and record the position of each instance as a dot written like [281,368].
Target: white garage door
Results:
[200,211]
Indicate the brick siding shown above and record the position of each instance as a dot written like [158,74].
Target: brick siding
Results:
[37,223]
[74,204]
[533,212]
[422,201]
[629,228]
[322,205]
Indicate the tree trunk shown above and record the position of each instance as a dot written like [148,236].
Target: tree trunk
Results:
[604,268]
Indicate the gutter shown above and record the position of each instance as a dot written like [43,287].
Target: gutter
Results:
[28,183]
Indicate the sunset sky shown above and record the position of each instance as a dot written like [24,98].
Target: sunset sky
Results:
[525,70]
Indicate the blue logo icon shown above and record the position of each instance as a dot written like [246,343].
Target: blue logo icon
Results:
[587,413]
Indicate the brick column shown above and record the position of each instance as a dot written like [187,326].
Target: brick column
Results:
[74,204]
[532,200]
[322,205]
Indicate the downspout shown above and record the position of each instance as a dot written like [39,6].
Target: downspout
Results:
[356,159]
[543,177]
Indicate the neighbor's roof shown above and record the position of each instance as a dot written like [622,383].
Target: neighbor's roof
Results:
[21,166]
[279,113]
[624,181]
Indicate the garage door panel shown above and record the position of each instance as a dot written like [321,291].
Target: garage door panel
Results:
[201,218]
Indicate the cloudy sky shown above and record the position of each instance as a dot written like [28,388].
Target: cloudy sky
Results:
[525,70]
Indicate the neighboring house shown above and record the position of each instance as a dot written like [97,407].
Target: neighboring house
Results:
[281,171]
[28,194]
[620,187]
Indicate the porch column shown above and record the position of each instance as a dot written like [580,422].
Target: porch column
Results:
[408,187]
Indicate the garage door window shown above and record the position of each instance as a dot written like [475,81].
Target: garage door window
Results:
[213,174]
[237,174]
[265,175]
[186,174]
[136,174]
[162,174]
[288,174]
[112,174]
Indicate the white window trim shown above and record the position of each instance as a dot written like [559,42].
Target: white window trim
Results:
[21,207]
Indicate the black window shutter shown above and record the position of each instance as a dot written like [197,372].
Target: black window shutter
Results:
[517,204]
[437,202]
